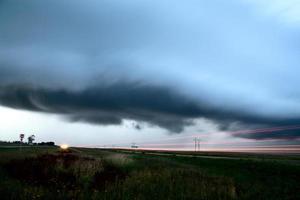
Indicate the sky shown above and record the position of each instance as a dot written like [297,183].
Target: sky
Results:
[113,72]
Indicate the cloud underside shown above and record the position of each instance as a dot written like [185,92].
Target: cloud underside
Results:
[280,135]
[158,106]
[103,62]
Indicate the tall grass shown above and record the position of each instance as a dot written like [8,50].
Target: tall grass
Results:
[95,174]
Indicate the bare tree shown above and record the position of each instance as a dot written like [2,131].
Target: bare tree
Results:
[31,139]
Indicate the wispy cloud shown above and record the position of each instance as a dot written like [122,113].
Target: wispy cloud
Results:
[287,11]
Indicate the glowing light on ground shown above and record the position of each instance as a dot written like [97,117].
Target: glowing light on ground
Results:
[64,146]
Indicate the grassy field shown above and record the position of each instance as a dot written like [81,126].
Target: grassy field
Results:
[48,173]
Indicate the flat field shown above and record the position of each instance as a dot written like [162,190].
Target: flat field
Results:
[83,173]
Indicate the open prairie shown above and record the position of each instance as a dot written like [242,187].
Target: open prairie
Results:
[83,173]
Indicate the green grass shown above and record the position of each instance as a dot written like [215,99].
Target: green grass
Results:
[7,154]
[46,173]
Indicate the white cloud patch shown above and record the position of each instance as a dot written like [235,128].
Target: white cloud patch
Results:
[286,11]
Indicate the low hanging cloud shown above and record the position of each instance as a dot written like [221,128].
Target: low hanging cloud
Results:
[105,61]
[107,105]
[110,104]
[291,135]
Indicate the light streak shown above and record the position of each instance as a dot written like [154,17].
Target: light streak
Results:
[241,145]
[248,131]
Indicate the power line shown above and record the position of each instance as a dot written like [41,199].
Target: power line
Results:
[239,132]
[197,142]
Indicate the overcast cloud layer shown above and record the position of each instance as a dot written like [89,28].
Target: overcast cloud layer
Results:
[165,63]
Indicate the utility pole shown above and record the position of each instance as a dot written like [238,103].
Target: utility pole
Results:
[197,143]
[195,140]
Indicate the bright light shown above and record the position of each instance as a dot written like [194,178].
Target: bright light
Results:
[64,146]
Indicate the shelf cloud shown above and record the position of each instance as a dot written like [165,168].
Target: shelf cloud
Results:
[165,63]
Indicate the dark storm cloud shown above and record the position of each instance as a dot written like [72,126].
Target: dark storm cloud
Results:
[111,104]
[107,105]
[164,63]
[282,135]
